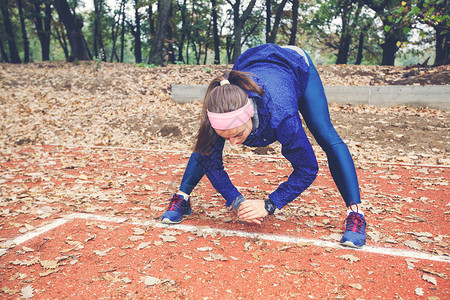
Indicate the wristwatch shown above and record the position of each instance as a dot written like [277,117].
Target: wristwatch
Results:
[270,206]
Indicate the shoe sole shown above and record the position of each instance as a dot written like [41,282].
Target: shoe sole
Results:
[169,221]
[350,244]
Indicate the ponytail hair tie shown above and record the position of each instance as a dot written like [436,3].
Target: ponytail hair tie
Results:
[225,81]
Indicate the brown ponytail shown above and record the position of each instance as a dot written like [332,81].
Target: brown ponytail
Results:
[221,99]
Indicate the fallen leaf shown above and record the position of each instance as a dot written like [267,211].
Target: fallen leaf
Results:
[143,245]
[103,252]
[149,280]
[135,238]
[126,280]
[350,257]
[27,292]
[8,291]
[168,238]
[138,231]
[204,249]
[110,278]
[429,278]
[356,286]
[413,244]
[26,249]
[256,255]
[48,272]
[439,274]
[49,264]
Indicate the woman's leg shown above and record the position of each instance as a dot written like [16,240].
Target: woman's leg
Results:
[314,108]
[180,205]
[192,175]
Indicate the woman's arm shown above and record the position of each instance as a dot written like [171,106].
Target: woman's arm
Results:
[213,165]
[298,150]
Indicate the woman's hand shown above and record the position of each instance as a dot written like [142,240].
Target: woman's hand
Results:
[252,211]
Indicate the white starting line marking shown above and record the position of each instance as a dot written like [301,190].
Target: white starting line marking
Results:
[225,232]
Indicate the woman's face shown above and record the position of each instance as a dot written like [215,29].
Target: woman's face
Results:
[236,135]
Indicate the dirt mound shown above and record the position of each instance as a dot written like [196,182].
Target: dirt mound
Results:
[129,106]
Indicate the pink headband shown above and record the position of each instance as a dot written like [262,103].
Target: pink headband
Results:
[232,119]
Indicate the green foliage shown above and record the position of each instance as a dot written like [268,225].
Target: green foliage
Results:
[144,65]
[319,32]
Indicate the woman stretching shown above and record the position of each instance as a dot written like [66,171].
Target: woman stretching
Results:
[255,104]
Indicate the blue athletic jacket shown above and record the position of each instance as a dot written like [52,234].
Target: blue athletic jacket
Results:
[283,74]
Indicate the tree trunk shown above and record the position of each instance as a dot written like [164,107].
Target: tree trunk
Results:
[122,33]
[389,49]
[62,40]
[215,33]
[3,52]
[268,20]
[97,13]
[183,32]
[170,41]
[73,25]
[346,38]
[239,21]
[114,31]
[156,52]
[41,33]
[229,48]
[276,23]
[359,56]
[442,46]
[137,34]
[151,20]
[46,36]
[99,48]
[26,43]
[293,36]
[15,59]
[87,49]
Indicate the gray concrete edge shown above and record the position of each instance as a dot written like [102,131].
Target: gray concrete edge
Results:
[433,96]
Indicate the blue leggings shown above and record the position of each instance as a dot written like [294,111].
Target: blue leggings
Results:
[314,108]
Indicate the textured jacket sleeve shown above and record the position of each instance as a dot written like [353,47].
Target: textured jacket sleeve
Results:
[298,150]
[213,165]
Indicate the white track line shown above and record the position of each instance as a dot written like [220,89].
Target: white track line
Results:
[38,231]
[225,232]
[236,154]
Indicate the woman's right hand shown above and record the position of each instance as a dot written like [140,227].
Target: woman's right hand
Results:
[252,211]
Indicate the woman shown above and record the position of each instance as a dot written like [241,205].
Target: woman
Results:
[255,104]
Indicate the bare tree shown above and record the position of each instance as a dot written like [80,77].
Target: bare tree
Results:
[157,50]
[73,24]
[14,54]
[238,21]
[26,43]
[43,26]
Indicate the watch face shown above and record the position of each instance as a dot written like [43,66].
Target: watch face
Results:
[270,207]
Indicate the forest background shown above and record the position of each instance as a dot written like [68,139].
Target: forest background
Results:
[157,32]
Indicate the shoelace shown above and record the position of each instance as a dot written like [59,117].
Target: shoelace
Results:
[355,222]
[175,202]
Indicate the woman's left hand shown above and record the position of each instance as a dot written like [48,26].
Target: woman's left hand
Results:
[252,211]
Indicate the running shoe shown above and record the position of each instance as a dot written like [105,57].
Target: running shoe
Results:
[178,208]
[355,231]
